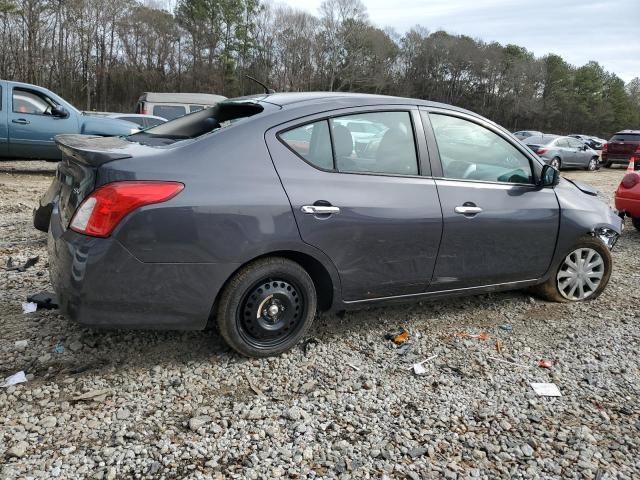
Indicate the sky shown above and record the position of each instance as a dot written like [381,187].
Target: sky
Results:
[578,30]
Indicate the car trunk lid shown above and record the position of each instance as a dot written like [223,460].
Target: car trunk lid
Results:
[82,156]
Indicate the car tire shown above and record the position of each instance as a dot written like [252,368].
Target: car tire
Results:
[607,164]
[558,288]
[592,165]
[635,221]
[267,307]
[556,163]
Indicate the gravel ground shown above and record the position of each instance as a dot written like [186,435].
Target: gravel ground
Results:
[119,404]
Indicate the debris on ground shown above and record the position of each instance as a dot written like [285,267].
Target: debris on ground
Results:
[14,379]
[45,300]
[58,348]
[21,345]
[418,368]
[398,338]
[499,346]
[93,396]
[546,389]
[480,336]
[29,307]
[357,369]
[254,387]
[507,327]
[12,266]
[544,363]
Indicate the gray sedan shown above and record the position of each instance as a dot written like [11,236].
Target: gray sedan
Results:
[260,211]
[563,152]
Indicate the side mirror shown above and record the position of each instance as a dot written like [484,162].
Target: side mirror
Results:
[549,177]
[59,111]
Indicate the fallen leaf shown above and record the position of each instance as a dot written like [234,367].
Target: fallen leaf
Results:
[499,346]
[401,338]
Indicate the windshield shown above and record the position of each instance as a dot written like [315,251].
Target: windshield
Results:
[199,123]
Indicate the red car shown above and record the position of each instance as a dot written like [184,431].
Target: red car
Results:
[628,197]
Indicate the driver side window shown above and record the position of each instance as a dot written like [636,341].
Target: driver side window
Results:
[471,152]
[28,101]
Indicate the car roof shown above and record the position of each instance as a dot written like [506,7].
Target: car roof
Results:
[189,98]
[636,132]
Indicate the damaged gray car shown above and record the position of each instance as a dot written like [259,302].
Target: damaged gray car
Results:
[261,211]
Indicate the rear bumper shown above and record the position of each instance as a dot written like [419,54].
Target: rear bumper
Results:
[628,206]
[616,158]
[100,283]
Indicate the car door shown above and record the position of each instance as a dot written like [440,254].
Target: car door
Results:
[566,153]
[373,211]
[32,126]
[498,227]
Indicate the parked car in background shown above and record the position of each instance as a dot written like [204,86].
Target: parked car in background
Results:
[144,121]
[31,116]
[628,197]
[522,134]
[621,147]
[174,105]
[563,152]
[276,216]
[593,142]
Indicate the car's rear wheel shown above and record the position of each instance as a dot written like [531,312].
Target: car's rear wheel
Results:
[635,221]
[267,307]
[555,163]
[592,165]
[582,274]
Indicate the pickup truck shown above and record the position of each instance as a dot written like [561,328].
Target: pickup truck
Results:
[30,116]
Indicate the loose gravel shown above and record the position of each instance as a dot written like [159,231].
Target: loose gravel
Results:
[344,404]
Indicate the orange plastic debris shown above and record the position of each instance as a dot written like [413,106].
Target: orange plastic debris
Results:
[401,338]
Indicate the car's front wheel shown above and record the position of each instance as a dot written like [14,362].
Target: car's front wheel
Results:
[267,307]
[555,163]
[582,274]
[592,165]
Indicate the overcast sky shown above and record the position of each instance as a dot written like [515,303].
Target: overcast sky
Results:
[578,30]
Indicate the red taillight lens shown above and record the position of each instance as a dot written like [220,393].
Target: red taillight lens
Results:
[101,211]
[541,151]
[637,148]
[630,180]
[605,147]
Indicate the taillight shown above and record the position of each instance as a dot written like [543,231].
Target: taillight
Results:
[101,211]
[630,180]
[605,147]
[541,151]
[637,150]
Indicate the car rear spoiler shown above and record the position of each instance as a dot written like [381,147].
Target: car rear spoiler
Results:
[93,150]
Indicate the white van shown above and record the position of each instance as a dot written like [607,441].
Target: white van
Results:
[174,105]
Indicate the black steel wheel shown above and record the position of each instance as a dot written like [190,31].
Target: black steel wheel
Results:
[267,307]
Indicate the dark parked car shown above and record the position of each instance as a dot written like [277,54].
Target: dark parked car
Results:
[563,152]
[621,147]
[259,211]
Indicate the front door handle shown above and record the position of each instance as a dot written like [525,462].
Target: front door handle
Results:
[320,209]
[467,210]
[20,121]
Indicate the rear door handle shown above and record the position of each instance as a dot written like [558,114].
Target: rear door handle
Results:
[20,121]
[319,209]
[464,210]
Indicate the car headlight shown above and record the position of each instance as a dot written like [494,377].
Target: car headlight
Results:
[607,236]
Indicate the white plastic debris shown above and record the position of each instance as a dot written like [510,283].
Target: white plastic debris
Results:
[546,389]
[418,368]
[14,379]
[29,307]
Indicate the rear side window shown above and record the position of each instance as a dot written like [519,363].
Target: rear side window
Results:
[195,108]
[381,142]
[169,111]
[312,142]
[469,151]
